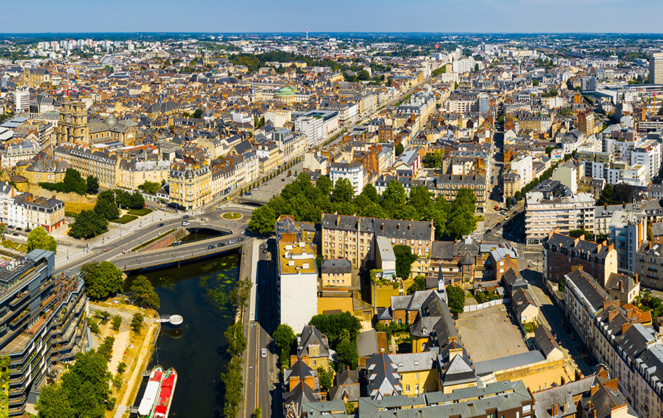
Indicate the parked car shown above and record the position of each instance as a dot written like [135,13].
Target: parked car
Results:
[248,193]
[185,223]
[19,229]
[160,225]
[185,217]
[210,247]
[257,188]
[240,239]
[15,234]
[28,229]
[106,249]
[177,243]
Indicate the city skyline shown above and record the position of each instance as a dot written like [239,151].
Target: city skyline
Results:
[453,16]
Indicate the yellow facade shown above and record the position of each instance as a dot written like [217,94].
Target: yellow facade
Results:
[190,185]
[417,382]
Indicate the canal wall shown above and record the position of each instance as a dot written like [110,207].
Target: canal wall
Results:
[165,241]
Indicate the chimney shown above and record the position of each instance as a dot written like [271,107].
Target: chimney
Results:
[409,227]
[621,285]
[382,226]
[398,226]
[554,410]
[636,279]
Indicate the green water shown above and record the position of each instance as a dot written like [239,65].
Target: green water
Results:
[197,349]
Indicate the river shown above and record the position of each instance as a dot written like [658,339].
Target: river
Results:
[197,350]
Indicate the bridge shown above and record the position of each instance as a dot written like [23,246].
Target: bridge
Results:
[175,256]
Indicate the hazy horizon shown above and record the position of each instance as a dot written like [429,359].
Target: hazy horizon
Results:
[369,16]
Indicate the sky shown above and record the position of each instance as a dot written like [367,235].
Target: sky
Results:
[476,16]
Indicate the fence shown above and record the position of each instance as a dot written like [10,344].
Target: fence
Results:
[474,308]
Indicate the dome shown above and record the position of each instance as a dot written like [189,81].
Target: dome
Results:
[110,121]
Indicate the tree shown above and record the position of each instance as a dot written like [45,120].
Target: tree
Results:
[137,201]
[257,413]
[150,187]
[143,294]
[404,260]
[83,391]
[324,184]
[92,184]
[419,284]
[284,336]
[106,348]
[73,182]
[399,149]
[232,379]
[102,279]
[343,191]
[198,113]
[371,193]
[518,196]
[137,322]
[326,378]
[509,202]
[263,220]
[236,340]
[106,206]
[456,297]
[240,294]
[335,326]
[394,197]
[347,354]
[54,403]
[117,322]
[38,238]
[88,224]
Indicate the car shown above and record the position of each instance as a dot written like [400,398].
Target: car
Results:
[185,223]
[19,229]
[264,251]
[221,244]
[263,353]
[257,188]
[28,229]
[283,179]
[248,193]
[210,247]
[106,249]
[185,217]
[177,243]
[15,234]
[160,225]
[240,239]
[231,242]
[488,231]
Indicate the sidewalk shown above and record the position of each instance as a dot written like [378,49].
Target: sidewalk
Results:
[71,249]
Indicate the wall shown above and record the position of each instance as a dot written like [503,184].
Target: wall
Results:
[474,308]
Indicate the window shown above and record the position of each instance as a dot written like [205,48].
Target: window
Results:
[407,388]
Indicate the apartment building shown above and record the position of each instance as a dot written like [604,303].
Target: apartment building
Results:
[101,164]
[352,171]
[448,185]
[553,206]
[297,283]
[39,211]
[12,154]
[649,264]
[190,185]
[42,170]
[627,231]
[353,238]
[521,164]
[132,173]
[620,336]
[562,253]
[44,323]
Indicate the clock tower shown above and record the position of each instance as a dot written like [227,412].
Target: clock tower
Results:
[73,126]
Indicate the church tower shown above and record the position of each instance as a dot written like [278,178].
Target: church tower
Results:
[73,126]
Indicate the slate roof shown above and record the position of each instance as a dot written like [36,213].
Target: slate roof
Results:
[545,340]
[388,228]
[589,288]
[504,363]
[336,266]
[382,377]
[312,336]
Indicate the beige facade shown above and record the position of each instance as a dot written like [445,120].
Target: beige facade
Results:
[190,185]
[132,174]
[104,166]
[73,125]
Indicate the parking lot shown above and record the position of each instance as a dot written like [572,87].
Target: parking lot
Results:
[274,186]
[489,334]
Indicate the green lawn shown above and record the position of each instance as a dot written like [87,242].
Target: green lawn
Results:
[125,219]
[232,215]
[140,212]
